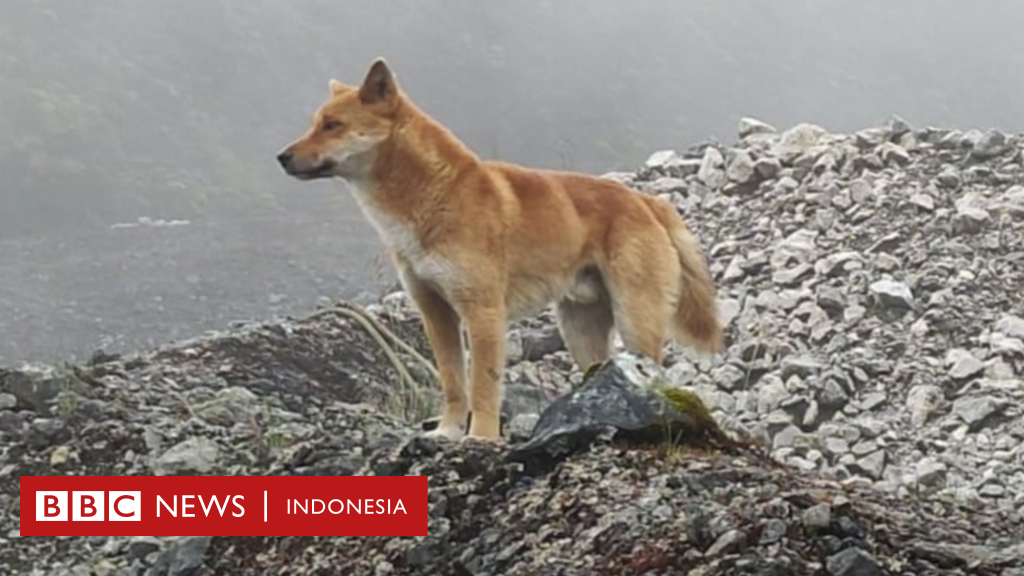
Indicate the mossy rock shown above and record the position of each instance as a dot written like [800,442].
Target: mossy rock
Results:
[625,400]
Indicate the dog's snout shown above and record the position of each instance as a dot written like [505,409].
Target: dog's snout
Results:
[285,158]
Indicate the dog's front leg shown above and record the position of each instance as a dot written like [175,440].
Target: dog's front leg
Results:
[485,323]
[441,324]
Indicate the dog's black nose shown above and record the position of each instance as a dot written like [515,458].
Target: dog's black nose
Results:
[285,158]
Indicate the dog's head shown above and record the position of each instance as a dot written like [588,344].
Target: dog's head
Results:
[347,129]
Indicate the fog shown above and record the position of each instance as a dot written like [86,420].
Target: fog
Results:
[173,110]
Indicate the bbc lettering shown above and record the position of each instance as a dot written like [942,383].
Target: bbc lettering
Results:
[89,506]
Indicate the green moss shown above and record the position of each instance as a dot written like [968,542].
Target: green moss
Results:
[701,430]
[592,370]
[697,428]
[689,403]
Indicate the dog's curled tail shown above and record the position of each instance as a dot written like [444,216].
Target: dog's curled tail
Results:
[696,321]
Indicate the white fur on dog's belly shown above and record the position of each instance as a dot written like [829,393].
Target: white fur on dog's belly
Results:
[532,294]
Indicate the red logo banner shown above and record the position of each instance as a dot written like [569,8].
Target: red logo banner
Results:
[223,505]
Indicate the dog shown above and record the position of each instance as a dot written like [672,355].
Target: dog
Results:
[477,244]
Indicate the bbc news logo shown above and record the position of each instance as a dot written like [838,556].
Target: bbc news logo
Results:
[88,506]
[224,505]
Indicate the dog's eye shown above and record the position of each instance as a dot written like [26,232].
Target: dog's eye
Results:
[331,124]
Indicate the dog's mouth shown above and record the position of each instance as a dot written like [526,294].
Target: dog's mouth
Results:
[324,169]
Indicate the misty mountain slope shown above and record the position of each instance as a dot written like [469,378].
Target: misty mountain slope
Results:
[174,109]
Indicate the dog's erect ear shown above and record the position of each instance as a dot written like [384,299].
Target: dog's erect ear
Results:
[380,85]
[337,87]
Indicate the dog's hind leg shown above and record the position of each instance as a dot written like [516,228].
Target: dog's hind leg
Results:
[585,321]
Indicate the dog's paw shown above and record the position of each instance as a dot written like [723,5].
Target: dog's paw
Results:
[483,440]
[453,433]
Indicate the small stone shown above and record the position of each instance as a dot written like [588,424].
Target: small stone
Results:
[894,154]
[796,407]
[59,455]
[667,185]
[892,294]
[735,270]
[999,369]
[1011,201]
[835,447]
[773,531]
[741,170]
[792,276]
[799,365]
[45,432]
[970,220]
[728,309]
[923,201]
[726,543]
[832,396]
[729,377]
[992,489]
[711,172]
[854,314]
[929,472]
[799,140]
[989,145]
[871,465]
[751,126]
[767,168]
[7,401]
[184,555]
[1011,325]
[861,192]
[197,455]
[922,401]
[898,127]
[830,298]
[521,426]
[817,517]
[873,400]
[871,137]
[871,427]
[540,342]
[839,262]
[513,347]
[682,373]
[864,448]
[852,562]
[963,364]
[975,411]
[139,547]
[229,406]
[949,178]
[787,437]
[663,159]
[627,178]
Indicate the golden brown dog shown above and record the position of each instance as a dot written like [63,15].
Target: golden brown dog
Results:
[479,243]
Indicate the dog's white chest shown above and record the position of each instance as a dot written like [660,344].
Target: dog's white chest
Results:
[400,238]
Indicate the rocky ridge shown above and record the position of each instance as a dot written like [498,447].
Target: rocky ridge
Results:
[872,283]
[876,346]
